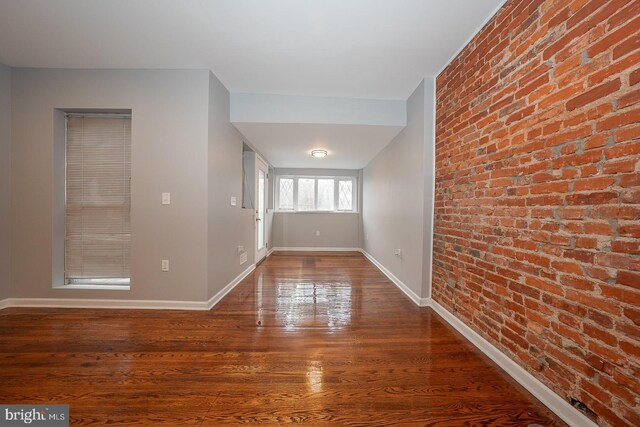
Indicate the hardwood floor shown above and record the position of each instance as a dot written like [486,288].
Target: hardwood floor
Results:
[322,338]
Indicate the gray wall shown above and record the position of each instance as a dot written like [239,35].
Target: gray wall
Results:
[429,162]
[298,229]
[228,226]
[396,203]
[295,230]
[169,152]
[5,181]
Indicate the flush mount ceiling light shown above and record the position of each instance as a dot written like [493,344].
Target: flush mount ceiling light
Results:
[319,153]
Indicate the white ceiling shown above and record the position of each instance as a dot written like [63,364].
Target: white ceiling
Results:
[360,49]
[340,48]
[289,145]
[285,128]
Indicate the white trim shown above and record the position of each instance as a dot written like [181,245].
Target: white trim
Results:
[224,291]
[126,304]
[96,287]
[422,302]
[312,249]
[269,252]
[475,33]
[545,395]
[336,193]
[107,303]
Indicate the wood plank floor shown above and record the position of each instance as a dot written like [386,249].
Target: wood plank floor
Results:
[321,338]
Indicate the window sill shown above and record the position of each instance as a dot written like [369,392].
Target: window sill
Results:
[96,287]
[315,212]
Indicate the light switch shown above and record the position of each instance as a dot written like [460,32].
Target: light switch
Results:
[166,198]
[165,265]
[233,201]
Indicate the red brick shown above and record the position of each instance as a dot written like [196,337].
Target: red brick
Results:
[619,120]
[631,230]
[609,41]
[599,183]
[539,162]
[627,134]
[629,180]
[620,166]
[594,94]
[628,278]
[634,77]
[630,98]
[592,198]
[627,46]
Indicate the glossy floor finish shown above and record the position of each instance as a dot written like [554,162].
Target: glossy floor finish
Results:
[321,338]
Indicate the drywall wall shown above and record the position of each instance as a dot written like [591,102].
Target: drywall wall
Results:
[538,200]
[5,181]
[169,154]
[396,202]
[228,226]
[298,229]
[269,108]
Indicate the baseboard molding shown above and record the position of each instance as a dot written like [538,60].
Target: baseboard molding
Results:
[224,291]
[107,303]
[269,252]
[125,304]
[319,249]
[422,302]
[544,394]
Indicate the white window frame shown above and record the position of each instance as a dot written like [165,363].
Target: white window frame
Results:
[336,194]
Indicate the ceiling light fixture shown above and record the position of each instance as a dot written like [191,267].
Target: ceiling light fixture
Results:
[319,153]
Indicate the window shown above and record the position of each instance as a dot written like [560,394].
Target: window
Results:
[345,195]
[315,194]
[98,199]
[286,193]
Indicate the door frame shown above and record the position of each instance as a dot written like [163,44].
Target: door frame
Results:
[260,254]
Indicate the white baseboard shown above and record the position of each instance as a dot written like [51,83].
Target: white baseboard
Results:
[269,252]
[319,249]
[422,302]
[546,396]
[107,303]
[543,393]
[224,291]
[125,304]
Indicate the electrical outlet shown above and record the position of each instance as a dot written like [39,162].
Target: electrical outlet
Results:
[398,253]
[243,258]
[165,265]
[317,232]
[240,249]
[234,201]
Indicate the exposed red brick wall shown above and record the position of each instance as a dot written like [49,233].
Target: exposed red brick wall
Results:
[537,216]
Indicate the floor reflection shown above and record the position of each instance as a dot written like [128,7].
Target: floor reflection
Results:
[314,376]
[313,304]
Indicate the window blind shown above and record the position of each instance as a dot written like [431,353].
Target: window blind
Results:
[98,198]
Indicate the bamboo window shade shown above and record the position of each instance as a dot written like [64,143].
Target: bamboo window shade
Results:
[98,197]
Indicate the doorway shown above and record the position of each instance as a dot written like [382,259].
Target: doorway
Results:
[261,195]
